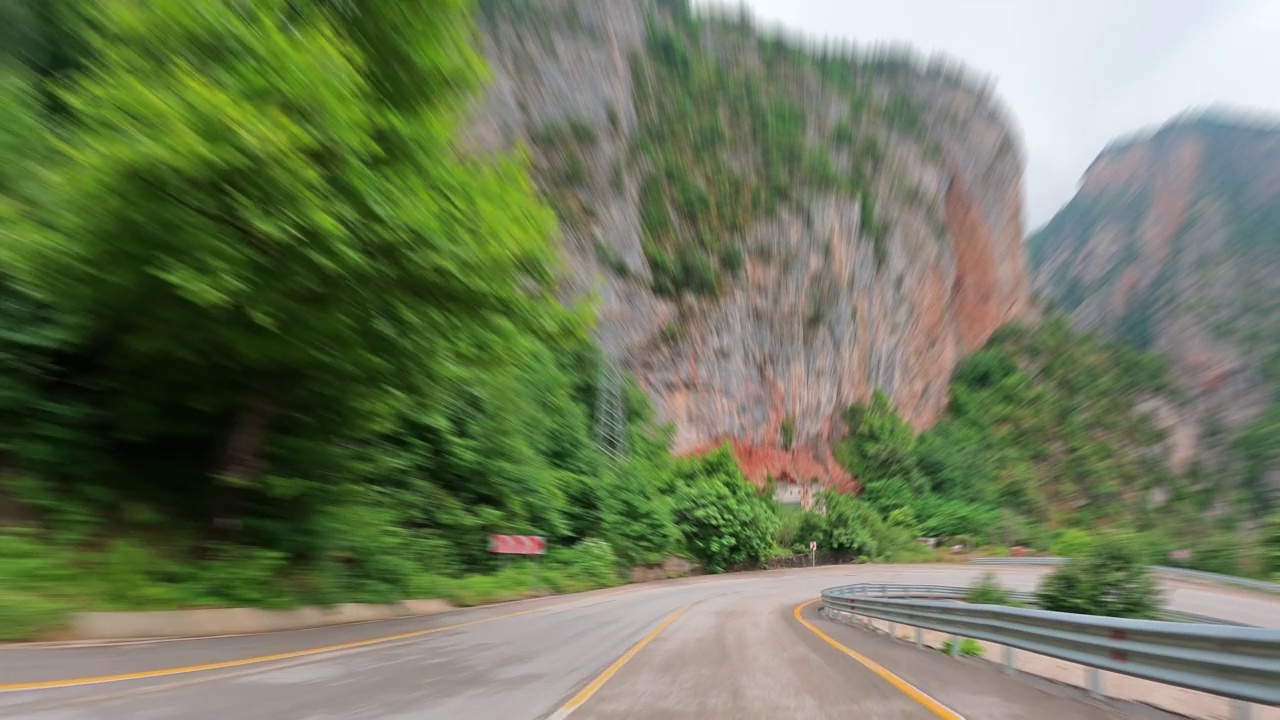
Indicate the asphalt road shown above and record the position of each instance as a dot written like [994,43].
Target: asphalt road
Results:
[709,648]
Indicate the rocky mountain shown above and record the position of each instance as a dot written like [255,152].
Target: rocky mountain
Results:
[771,229]
[1173,243]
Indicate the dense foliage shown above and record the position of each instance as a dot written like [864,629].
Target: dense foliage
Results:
[271,338]
[1044,442]
[1111,580]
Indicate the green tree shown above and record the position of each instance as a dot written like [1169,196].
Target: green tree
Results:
[276,257]
[880,450]
[724,521]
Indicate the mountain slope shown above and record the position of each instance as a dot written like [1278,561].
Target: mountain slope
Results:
[774,231]
[1173,243]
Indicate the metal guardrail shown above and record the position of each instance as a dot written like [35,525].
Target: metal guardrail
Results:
[950,592]
[1239,663]
[1247,583]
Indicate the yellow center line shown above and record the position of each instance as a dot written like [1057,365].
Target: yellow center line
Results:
[906,688]
[591,688]
[241,662]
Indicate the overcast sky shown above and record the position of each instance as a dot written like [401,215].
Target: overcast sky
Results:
[1078,73]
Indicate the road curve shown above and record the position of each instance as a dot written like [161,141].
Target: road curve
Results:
[713,647]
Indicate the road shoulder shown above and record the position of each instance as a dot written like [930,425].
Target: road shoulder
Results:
[974,687]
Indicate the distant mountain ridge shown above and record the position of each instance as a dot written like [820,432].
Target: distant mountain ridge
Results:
[1173,243]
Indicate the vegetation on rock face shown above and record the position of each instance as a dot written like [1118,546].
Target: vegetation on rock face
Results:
[728,141]
[1042,445]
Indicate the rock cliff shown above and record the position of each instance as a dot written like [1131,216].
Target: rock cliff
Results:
[773,230]
[1173,243]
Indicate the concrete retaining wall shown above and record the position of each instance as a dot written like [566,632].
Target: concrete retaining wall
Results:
[234,621]
[674,567]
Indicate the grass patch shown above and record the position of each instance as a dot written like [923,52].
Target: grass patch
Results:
[968,648]
[42,583]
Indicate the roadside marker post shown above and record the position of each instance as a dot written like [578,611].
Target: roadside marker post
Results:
[813,557]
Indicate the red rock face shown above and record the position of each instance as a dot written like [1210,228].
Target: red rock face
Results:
[824,311]
[799,465]
[976,301]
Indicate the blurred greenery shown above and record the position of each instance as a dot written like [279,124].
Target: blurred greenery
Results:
[1042,446]
[268,337]
[968,647]
[1112,579]
[987,590]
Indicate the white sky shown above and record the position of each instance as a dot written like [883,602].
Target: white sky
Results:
[1075,73]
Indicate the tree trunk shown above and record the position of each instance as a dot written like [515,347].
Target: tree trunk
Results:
[241,461]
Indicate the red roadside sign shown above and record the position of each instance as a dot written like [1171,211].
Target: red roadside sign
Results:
[518,544]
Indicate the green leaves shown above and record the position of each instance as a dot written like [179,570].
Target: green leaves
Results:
[852,526]
[251,281]
[1111,580]
[724,522]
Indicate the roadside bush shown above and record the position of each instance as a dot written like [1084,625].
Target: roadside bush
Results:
[1112,580]
[510,584]
[853,526]
[904,517]
[724,521]
[28,571]
[796,527]
[1221,553]
[1072,543]
[987,591]
[912,553]
[587,565]
[1271,545]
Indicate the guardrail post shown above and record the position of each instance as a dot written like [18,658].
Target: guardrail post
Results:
[1241,710]
[1095,682]
[1010,661]
[919,637]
